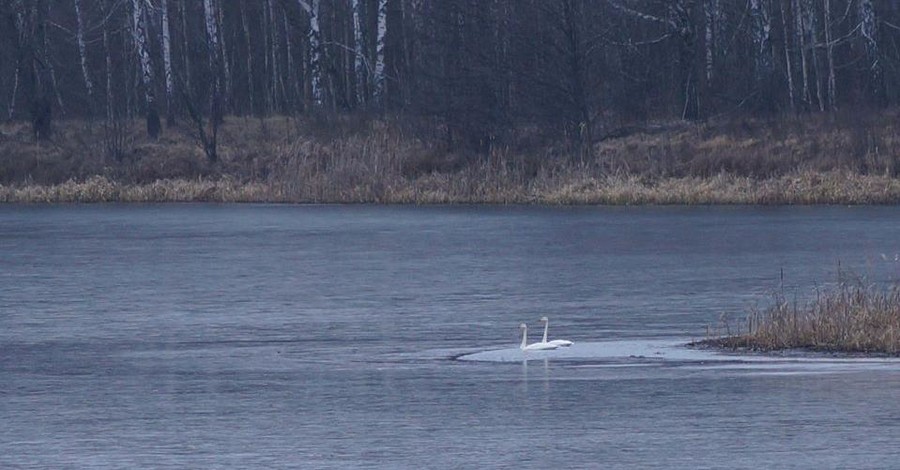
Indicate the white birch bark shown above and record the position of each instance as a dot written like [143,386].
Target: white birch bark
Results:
[249,54]
[379,79]
[272,34]
[868,28]
[82,50]
[167,59]
[139,32]
[268,66]
[223,51]
[813,32]
[11,110]
[359,49]
[109,97]
[800,33]
[711,10]
[212,38]
[787,55]
[184,46]
[829,54]
[761,35]
[49,64]
[315,50]
[140,40]
[289,53]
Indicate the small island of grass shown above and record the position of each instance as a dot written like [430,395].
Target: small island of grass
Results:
[851,318]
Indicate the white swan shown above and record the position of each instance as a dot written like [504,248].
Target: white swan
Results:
[556,342]
[533,346]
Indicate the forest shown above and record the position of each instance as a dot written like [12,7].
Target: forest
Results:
[474,77]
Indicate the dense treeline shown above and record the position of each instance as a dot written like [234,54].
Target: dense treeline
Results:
[475,71]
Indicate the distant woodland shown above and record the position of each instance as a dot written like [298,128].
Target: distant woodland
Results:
[474,68]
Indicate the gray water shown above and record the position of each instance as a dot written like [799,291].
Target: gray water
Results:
[220,336]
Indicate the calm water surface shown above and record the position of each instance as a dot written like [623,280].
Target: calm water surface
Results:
[218,336]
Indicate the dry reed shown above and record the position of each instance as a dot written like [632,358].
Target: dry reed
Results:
[850,318]
[292,160]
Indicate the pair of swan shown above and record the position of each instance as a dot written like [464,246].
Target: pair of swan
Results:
[544,344]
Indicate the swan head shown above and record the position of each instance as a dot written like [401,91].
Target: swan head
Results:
[522,326]
[545,319]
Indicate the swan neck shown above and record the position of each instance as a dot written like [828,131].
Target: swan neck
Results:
[546,326]
[524,337]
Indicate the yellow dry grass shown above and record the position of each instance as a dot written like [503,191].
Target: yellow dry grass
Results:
[852,318]
[789,161]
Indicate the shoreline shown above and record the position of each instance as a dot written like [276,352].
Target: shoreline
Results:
[739,345]
[808,188]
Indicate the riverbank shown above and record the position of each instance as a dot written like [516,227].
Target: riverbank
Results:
[785,161]
[852,318]
[803,188]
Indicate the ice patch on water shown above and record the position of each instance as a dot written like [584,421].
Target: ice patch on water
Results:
[676,352]
[642,350]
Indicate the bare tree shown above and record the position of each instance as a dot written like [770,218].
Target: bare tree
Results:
[82,50]
[868,29]
[139,32]
[311,7]
[381,31]
[249,55]
[208,134]
[167,62]
[359,56]
[829,53]
[712,11]
[789,69]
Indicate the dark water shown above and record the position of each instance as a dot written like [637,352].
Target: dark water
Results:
[208,336]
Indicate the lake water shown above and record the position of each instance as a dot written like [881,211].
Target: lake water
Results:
[222,336]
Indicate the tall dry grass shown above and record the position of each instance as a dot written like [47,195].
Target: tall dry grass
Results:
[788,161]
[852,318]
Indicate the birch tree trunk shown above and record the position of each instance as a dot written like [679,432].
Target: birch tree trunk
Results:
[787,56]
[270,31]
[291,72]
[868,28]
[38,78]
[800,33]
[167,62]
[267,91]
[82,50]
[223,54]
[106,52]
[48,62]
[813,31]
[829,50]
[208,139]
[11,109]
[359,52]
[711,11]
[184,46]
[18,39]
[139,31]
[379,79]
[761,34]
[315,50]
[249,55]
[213,51]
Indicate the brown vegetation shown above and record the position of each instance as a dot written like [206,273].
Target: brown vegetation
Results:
[785,161]
[851,318]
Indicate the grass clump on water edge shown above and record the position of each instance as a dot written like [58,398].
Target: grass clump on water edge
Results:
[852,317]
